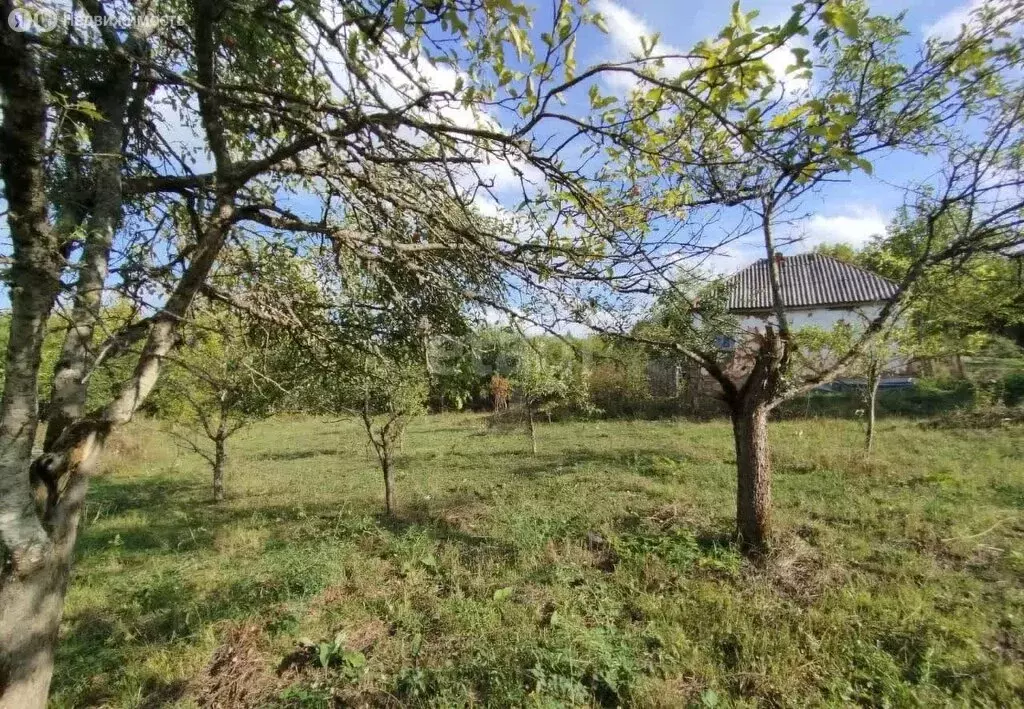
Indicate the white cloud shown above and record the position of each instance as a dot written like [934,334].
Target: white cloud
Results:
[624,28]
[948,25]
[624,32]
[726,260]
[855,226]
[399,78]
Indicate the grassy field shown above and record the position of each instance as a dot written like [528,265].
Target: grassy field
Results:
[599,572]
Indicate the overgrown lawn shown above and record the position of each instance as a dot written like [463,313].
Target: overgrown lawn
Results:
[599,572]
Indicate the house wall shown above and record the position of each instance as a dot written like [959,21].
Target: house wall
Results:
[825,318]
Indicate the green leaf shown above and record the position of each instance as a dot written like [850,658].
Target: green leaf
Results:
[398,15]
[326,650]
[353,658]
[570,57]
[503,594]
[849,25]
[709,698]
[789,116]
[89,109]
[864,165]
[519,40]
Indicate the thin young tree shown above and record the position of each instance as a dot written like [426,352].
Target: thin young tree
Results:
[229,375]
[817,350]
[548,378]
[387,395]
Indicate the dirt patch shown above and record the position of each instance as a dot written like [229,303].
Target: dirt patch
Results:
[238,676]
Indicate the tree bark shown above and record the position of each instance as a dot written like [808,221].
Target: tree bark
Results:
[32,600]
[30,613]
[220,459]
[32,568]
[34,580]
[533,430]
[874,376]
[37,549]
[958,362]
[749,407]
[753,478]
[70,388]
[389,485]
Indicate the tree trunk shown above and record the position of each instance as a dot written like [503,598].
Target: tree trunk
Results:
[389,486]
[70,388]
[32,600]
[533,431]
[33,582]
[753,478]
[30,614]
[958,362]
[34,280]
[37,552]
[874,376]
[220,459]
[692,388]
[32,570]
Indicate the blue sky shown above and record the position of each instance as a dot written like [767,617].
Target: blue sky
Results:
[850,211]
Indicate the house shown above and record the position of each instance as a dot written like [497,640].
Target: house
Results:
[817,290]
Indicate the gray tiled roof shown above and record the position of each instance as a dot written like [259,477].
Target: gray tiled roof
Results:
[808,280]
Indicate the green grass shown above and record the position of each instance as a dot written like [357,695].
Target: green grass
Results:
[599,572]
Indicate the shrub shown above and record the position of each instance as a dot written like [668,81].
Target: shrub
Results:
[1013,388]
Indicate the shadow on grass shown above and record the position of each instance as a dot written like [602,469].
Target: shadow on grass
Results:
[173,602]
[298,455]
[160,535]
[637,461]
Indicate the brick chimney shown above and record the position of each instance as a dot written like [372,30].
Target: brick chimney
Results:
[779,258]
